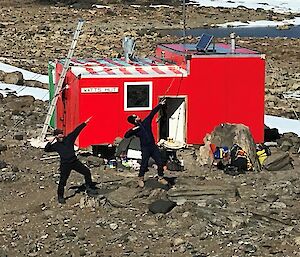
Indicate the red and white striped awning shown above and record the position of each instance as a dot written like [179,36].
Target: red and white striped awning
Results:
[117,68]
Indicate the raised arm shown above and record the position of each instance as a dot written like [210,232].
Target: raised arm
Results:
[74,134]
[153,112]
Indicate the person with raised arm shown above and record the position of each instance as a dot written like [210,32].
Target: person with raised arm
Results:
[143,130]
[64,146]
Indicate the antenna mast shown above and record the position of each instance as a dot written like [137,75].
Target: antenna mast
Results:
[184,19]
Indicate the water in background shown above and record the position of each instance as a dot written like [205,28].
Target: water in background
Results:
[293,32]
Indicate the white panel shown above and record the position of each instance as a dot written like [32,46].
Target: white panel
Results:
[177,124]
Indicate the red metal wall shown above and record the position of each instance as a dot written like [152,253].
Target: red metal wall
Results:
[218,90]
[67,110]
[109,118]
[223,90]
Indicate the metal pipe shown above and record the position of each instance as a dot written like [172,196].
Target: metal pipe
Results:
[184,18]
[232,38]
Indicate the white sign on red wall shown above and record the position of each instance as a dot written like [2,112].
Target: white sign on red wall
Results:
[92,90]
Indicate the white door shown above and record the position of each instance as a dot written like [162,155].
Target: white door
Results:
[177,124]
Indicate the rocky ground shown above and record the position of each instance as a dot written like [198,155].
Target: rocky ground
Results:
[256,214]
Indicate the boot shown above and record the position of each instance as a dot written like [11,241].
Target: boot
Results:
[162,181]
[60,194]
[141,182]
[61,200]
[91,191]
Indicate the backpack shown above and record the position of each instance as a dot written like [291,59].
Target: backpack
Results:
[221,152]
[240,159]
[262,152]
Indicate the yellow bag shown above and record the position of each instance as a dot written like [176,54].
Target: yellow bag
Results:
[262,156]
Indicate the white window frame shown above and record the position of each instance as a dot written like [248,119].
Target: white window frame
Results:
[148,83]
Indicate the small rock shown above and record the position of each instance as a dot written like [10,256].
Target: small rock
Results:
[297,240]
[182,249]
[178,241]
[2,75]
[278,205]
[94,161]
[113,226]
[296,86]
[82,202]
[15,169]
[18,136]
[70,234]
[249,248]
[185,214]
[48,213]
[33,254]
[3,164]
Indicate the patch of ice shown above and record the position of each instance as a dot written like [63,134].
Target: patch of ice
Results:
[283,125]
[261,23]
[294,95]
[160,6]
[101,6]
[28,75]
[282,6]
[37,93]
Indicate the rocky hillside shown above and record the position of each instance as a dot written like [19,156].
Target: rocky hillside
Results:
[31,35]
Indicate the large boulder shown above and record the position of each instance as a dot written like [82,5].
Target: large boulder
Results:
[26,100]
[15,78]
[289,141]
[34,83]
[227,135]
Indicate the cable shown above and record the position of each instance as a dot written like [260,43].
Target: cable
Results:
[176,131]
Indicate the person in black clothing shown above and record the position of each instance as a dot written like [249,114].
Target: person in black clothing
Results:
[64,146]
[143,130]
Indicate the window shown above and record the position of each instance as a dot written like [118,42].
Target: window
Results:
[137,96]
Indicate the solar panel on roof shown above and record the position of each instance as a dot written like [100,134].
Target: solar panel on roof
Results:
[204,42]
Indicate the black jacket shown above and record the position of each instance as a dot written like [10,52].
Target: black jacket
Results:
[144,131]
[65,149]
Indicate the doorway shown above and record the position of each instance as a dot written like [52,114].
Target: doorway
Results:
[172,122]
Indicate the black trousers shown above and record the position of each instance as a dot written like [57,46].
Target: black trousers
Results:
[65,171]
[147,152]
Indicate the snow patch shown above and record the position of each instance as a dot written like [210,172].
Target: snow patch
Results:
[283,125]
[37,93]
[28,75]
[101,6]
[281,6]
[160,6]
[261,23]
